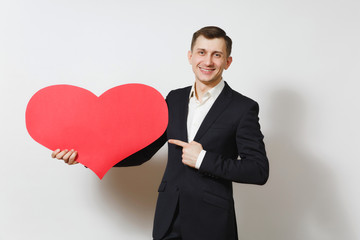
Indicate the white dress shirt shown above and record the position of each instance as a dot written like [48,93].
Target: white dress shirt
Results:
[197,112]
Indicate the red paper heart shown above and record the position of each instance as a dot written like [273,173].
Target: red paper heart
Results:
[104,130]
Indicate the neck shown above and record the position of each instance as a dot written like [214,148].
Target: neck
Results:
[202,87]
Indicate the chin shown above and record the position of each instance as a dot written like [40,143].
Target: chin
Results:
[206,79]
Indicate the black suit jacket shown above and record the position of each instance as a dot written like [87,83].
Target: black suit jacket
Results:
[205,196]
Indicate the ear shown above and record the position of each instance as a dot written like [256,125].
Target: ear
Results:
[228,63]
[189,56]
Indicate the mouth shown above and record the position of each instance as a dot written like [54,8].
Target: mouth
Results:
[206,70]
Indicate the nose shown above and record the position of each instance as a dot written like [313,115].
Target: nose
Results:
[208,60]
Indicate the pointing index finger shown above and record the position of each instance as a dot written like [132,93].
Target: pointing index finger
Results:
[178,142]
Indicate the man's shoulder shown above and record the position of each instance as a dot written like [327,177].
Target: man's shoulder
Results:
[180,92]
[242,98]
[235,96]
[238,97]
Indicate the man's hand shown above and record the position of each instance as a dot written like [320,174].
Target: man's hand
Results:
[191,151]
[66,155]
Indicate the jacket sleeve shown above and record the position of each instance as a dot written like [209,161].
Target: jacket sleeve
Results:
[253,167]
[144,154]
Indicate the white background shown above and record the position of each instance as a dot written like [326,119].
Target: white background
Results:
[299,59]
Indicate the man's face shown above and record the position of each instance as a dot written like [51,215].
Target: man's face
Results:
[209,59]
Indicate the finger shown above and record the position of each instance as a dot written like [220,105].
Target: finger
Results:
[178,142]
[194,143]
[53,154]
[72,158]
[61,154]
[67,155]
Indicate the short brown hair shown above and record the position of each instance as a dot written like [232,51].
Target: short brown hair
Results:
[212,32]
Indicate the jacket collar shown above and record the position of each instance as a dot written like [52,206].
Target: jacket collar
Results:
[215,111]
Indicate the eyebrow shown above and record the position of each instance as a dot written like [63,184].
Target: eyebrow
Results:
[203,49]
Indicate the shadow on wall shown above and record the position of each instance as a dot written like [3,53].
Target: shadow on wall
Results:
[301,200]
[131,192]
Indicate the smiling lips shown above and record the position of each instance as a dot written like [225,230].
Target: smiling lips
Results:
[206,70]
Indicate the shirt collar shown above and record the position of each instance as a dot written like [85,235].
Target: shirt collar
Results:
[213,92]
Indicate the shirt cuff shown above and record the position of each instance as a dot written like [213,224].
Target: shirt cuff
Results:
[200,159]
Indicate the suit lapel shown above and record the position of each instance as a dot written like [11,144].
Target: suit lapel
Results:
[183,109]
[217,108]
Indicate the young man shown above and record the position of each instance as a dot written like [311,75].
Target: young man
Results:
[210,126]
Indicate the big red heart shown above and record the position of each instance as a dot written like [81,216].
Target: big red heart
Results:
[104,130]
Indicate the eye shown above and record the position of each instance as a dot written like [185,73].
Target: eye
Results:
[218,55]
[201,52]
